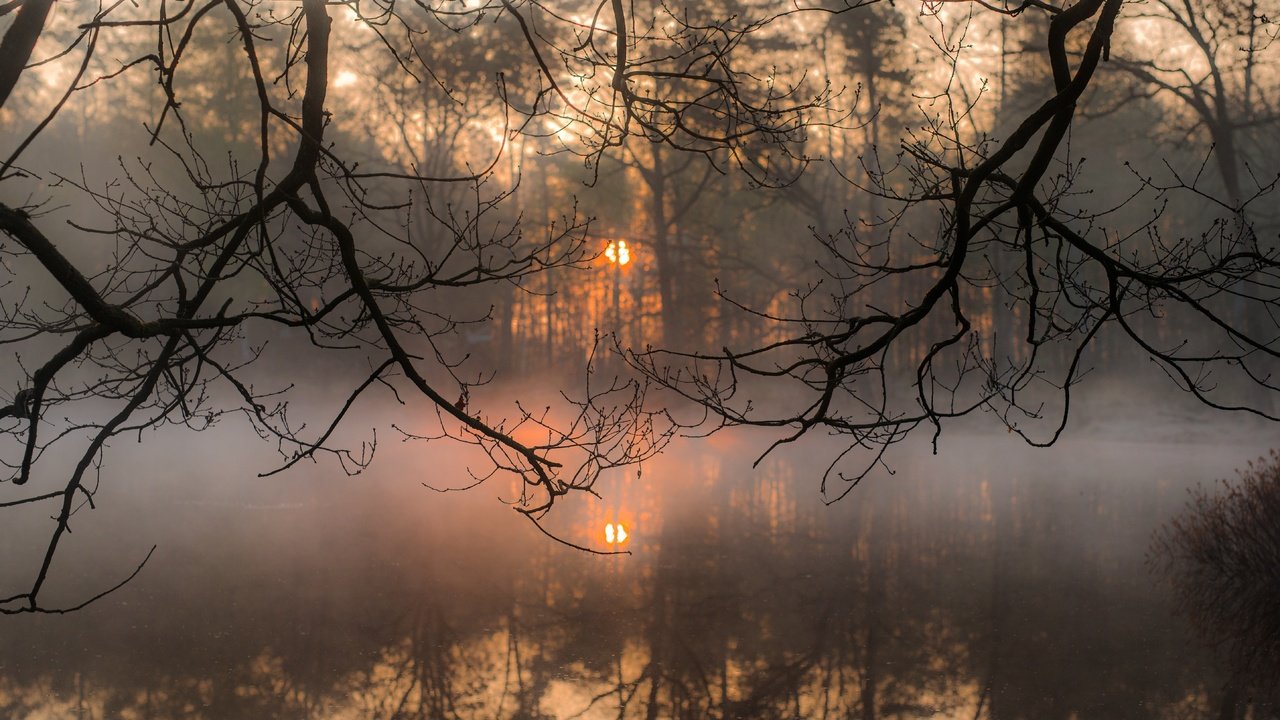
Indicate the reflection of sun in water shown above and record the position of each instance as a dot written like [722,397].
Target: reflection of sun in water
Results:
[615,534]
[345,79]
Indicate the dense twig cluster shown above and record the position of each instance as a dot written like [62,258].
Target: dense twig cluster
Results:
[993,227]
[670,76]
[288,234]
[259,217]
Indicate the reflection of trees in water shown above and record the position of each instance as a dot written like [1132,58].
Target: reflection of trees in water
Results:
[1222,556]
[991,597]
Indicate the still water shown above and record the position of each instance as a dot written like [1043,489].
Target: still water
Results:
[990,581]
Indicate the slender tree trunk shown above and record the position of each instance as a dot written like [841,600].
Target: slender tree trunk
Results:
[664,253]
[548,302]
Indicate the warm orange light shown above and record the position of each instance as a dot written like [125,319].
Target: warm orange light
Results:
[615,534]
[618,252]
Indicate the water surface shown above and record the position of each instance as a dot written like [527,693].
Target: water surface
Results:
[992,580]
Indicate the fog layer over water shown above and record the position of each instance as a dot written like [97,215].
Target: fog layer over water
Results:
[990,580]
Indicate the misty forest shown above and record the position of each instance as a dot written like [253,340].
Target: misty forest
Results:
[533,359]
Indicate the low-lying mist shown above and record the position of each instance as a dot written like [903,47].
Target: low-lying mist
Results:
[991,570]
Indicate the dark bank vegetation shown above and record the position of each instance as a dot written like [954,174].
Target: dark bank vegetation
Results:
[862,219]
[1222,557]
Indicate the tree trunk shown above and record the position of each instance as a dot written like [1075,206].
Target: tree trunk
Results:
[19,42]
[664,253]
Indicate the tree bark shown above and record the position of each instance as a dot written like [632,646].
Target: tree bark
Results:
[19,42]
